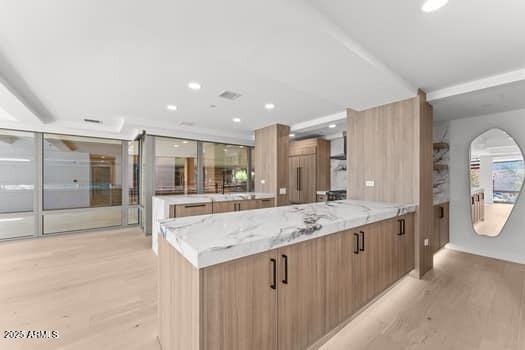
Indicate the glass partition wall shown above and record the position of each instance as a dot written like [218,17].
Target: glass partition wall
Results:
[17,184]
[51,183]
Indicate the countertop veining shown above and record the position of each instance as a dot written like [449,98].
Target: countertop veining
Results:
[208,240]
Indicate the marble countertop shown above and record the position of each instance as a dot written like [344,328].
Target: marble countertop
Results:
[208,240]
[213,197]
[474,191]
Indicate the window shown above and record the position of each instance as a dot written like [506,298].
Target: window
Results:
[507,178]
[17,180]
[133,172]
[175,166]
[225,168]
[81,172]
[17,171]
[133,182]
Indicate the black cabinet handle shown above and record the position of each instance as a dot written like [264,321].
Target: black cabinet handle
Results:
[404,227]
[274,273]
[356,245]
[401,227]
[472,200]
[362,241]
[441,212]
[297,179]
[194,205]
[285,261]
[300,179]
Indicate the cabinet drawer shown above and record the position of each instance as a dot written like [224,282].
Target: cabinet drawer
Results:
[225,207]
[182,210]
[266,203]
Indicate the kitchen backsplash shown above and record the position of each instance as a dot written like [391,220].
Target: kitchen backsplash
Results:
[441,157]
[338,174]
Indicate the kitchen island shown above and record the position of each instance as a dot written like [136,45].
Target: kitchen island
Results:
[277,278]
[171,206]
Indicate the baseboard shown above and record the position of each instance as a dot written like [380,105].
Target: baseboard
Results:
[479,252]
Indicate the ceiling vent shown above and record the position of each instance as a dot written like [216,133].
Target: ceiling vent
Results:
[230,95]
[92,121]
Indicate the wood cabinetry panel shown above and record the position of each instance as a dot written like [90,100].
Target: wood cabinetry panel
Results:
[182,210]
[248,204]
[338,268]
[301,312]
[266,203]
[239,305]
[224,207]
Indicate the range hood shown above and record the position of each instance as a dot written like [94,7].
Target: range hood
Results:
[338,148]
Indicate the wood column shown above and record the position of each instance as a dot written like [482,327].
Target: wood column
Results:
[391,145]
[271,161]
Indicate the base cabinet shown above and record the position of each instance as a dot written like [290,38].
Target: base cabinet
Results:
[440,234]
[287,298]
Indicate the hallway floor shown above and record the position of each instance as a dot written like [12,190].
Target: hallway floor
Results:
[98,290]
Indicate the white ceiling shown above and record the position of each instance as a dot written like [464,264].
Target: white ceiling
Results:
[496,99]
[123,61]
[463,41]
[496,143]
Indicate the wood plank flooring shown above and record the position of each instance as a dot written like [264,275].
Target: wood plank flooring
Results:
[98,290]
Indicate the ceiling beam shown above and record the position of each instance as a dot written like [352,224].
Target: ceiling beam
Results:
[479,84]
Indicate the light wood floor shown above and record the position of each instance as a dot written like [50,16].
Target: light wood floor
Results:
[99,291]
[496,215]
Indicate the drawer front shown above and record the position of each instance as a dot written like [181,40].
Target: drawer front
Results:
[183,210]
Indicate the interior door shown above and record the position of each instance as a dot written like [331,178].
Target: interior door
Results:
[293,176]
[307,178]
[301,294]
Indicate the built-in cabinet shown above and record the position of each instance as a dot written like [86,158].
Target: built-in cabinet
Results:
[477,203]
[182,210]
[289,298]
[440,232]
[308,169]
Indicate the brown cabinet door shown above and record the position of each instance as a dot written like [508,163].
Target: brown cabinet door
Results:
[339,253]
[266,203]
[435,243]
[410,248]
[444,226]
[224,207]
[293,176]
[240,305]
[301,294]
[248,204]
[359,270]
[307,178]
[183,210]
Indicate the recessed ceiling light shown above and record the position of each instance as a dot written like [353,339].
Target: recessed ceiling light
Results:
[236,120]
[171,107]
[175,146]
[433,5]
[331,126]
[292,135]
[194,85]
[241,146]
[269,106]
[184,141]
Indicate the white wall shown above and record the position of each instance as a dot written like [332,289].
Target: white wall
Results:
[510,244]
